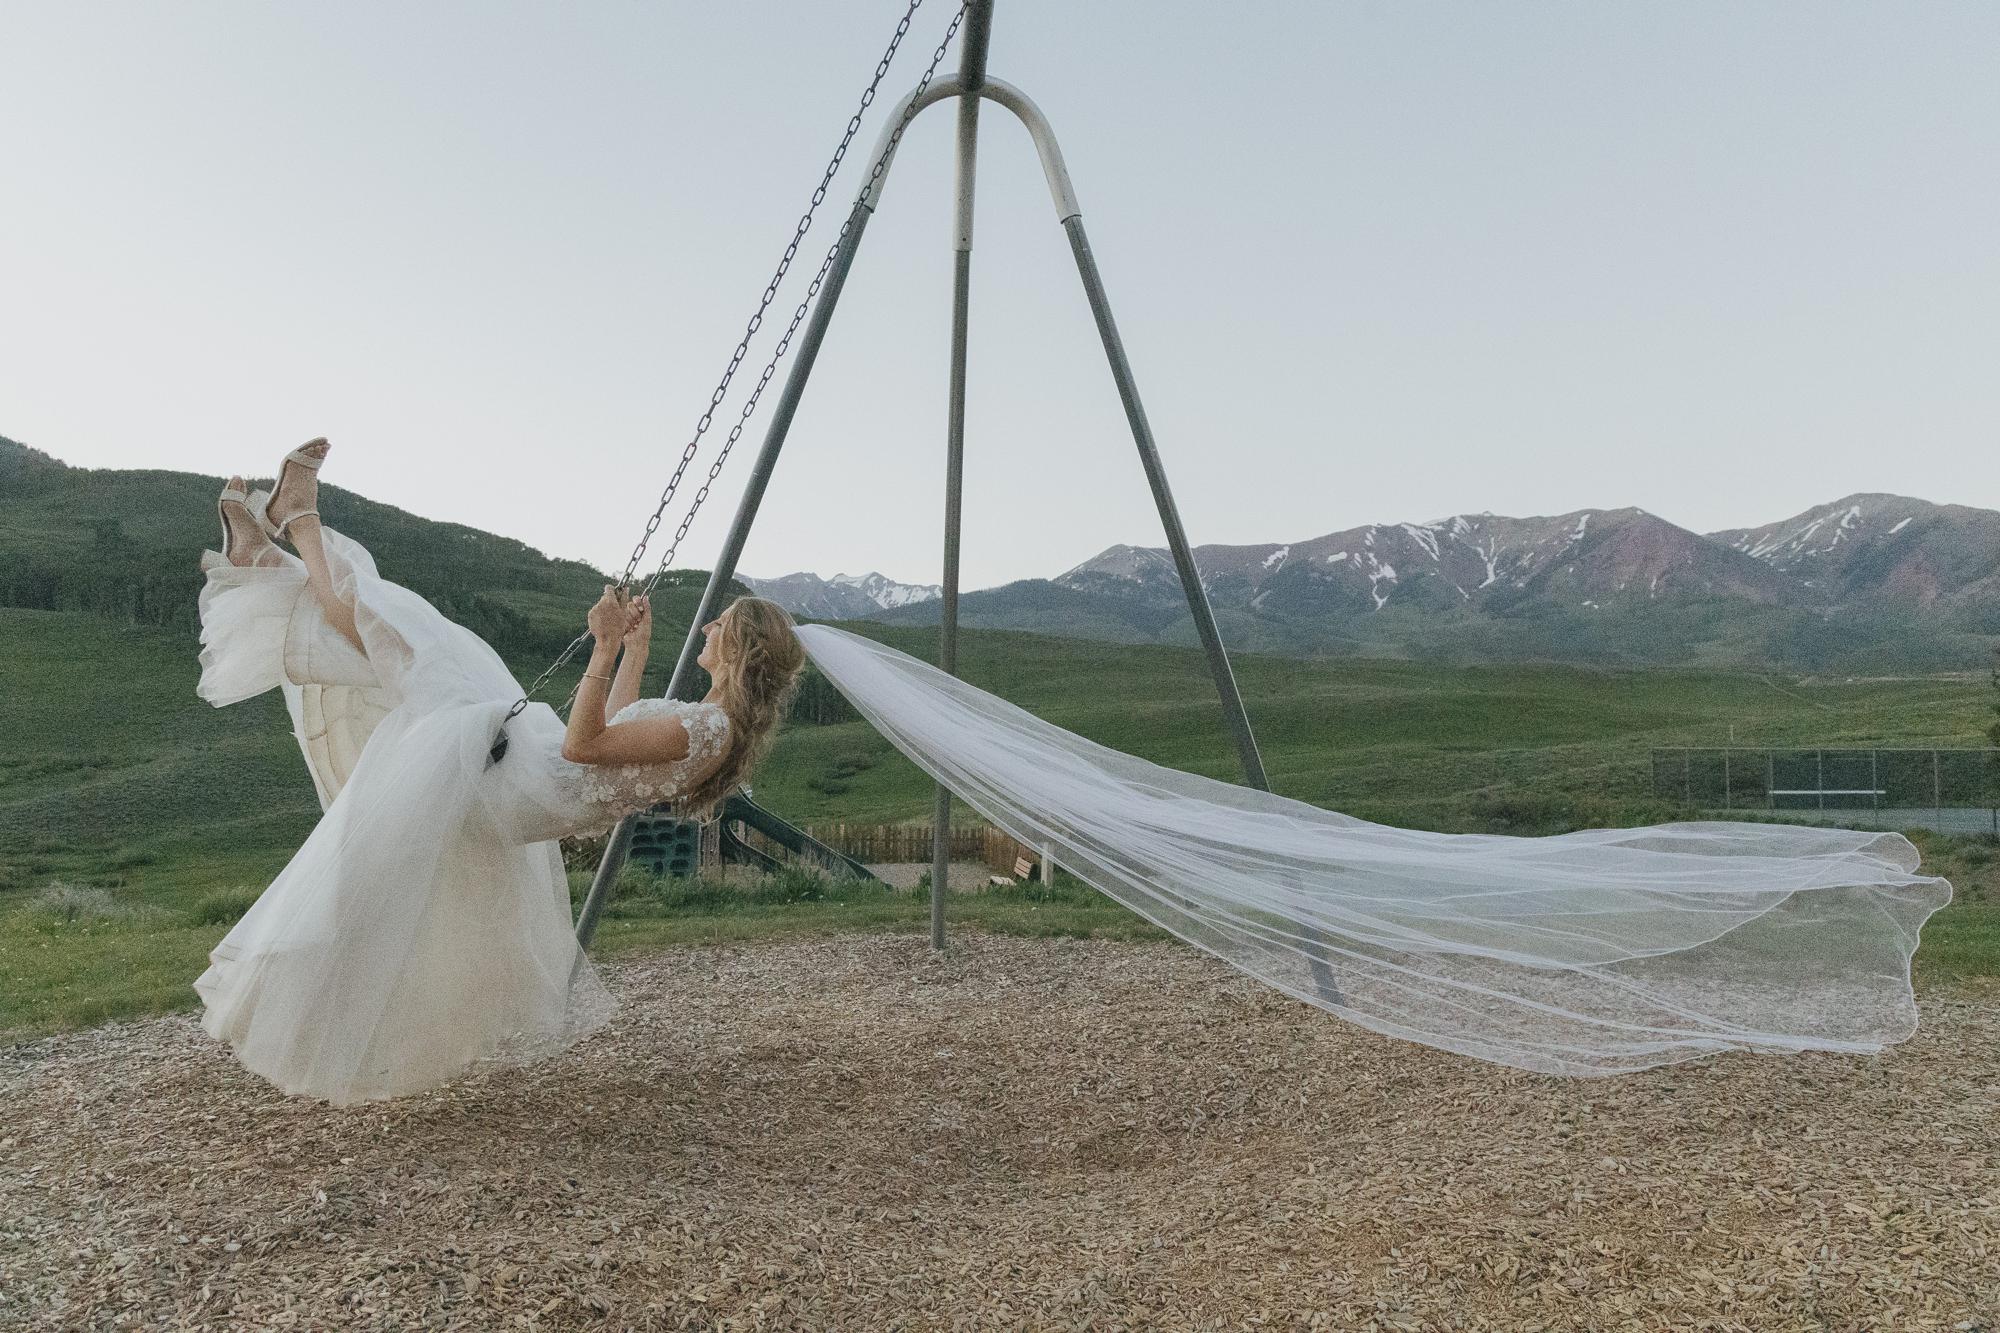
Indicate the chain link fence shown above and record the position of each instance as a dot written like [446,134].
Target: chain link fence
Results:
[1950,790]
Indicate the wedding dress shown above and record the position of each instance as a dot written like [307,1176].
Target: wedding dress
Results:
[425,924]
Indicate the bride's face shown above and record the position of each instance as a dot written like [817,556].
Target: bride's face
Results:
[711,650]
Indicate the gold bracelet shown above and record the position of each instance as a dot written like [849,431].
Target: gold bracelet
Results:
[592,675]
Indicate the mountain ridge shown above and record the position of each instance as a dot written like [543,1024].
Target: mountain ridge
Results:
[1869,582]
[1879,580]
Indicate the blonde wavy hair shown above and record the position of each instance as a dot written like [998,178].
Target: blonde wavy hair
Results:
[761,662]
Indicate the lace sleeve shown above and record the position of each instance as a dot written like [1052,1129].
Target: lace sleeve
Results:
[707,728]
[707,724]
[635,786]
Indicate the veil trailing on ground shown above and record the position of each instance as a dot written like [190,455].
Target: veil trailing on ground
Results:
[1597,952]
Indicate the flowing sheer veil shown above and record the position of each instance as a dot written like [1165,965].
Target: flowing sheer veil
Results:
[1598,952]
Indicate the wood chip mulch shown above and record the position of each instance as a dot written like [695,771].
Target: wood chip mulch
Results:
[851,1134]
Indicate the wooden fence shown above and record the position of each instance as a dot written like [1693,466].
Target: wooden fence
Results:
[877,844]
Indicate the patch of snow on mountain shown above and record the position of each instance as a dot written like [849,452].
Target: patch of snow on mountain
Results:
[1904,523]
[1425,538]
[903,594]
[1847,520]
[1276,559]
[1582,522]
[1491,555]
[1336,557]
[1805,533]
[1379,572]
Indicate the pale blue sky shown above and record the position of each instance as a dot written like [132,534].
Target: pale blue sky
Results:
[1373,261]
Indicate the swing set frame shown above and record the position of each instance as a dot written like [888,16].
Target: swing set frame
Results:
[970,89]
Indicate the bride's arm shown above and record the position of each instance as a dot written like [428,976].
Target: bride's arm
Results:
[606,622]
[638,641]
[642,740]
[645,740]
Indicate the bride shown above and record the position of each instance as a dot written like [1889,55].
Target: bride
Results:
[425,923]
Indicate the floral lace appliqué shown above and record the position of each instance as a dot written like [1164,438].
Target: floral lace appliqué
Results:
[636,786]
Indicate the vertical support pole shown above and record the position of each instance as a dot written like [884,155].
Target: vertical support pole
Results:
[1821,784]
[1048,865]
[1725,780]
[681,683]
[1771,779]
[1937,789]
[1687,778]
[1170,518]
[1874,780]
[971,76]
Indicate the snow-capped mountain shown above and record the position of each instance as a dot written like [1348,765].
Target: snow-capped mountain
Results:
[842,597]
[1885,549]
[1586,558]
[1867,582]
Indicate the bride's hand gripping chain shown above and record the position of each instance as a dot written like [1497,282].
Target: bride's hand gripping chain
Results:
[608,618]
[638,635]
[637,642]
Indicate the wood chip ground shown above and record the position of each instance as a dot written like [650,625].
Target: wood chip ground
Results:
[849,1133]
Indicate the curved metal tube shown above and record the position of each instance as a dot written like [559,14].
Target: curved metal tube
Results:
[995,90]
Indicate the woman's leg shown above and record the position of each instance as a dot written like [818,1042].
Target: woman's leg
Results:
[294,508]
[305,537]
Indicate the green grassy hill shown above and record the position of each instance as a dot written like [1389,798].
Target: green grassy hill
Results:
[125,544]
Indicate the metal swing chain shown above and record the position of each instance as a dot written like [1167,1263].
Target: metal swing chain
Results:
[750,331]
[799,315]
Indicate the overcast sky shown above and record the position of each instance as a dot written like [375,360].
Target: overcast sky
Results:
[1373,262]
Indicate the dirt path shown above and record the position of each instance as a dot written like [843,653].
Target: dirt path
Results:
[849,1134]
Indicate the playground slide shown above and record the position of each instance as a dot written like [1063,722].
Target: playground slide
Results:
[789,836]
[738,852]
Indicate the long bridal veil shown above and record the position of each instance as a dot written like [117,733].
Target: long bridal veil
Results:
[1597,952]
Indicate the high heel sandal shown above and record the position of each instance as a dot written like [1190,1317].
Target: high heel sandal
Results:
[261,509]
[243,545]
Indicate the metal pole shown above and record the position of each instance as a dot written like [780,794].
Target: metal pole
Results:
[971,76]
[1170,519]
[1874,781]
[1822,780]
[1937,790]
[1770,779]
[620,844]
[1725,780]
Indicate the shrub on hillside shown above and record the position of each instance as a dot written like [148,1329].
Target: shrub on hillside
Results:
[224,907]
[68,903]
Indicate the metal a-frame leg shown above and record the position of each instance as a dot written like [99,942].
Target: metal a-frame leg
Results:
[1170,518]
[971,73]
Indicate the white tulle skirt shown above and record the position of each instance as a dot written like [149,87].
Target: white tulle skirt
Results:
[419,930]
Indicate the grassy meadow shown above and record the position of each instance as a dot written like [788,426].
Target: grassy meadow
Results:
[136,823]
